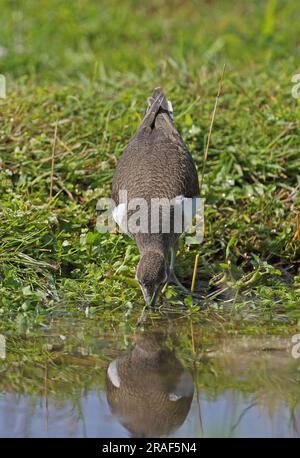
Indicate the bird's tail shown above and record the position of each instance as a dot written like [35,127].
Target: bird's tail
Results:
[157,103]
[166,105]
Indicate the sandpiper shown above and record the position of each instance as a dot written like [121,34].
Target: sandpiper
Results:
[148,388]
[155,165]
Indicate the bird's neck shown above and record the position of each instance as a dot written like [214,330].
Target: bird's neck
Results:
[152,242]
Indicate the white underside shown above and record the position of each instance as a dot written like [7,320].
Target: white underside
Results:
[184,387]
[182,206]
[113,375]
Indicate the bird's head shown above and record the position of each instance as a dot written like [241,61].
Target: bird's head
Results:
[152,273]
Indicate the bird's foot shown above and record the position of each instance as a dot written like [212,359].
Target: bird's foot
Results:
[175,280]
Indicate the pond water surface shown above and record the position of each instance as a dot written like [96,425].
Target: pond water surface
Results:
[69,379]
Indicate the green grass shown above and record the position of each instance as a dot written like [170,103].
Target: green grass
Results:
[89,67]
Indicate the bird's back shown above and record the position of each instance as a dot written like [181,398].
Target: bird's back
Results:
[156,163]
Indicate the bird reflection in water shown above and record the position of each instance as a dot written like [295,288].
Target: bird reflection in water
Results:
[148,389]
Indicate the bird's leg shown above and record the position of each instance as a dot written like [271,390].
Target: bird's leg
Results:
[172,276]
[171,269]
[173,258]
[165,286]
[143,317]
[179,284]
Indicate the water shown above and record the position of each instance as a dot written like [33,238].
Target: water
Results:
[70,379]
